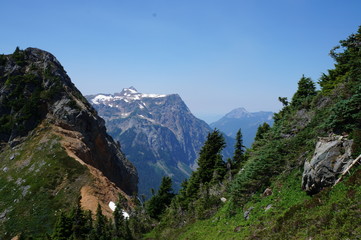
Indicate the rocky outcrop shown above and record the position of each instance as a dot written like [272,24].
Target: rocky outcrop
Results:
[331,159]
[34,88]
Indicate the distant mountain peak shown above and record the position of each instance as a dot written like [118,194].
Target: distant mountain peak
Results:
[238,113]
[128,91]
[248,122]
[130,94]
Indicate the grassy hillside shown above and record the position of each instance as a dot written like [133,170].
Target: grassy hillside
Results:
[275,165]
[36,181]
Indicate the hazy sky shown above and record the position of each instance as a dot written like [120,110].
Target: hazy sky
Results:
[217,54]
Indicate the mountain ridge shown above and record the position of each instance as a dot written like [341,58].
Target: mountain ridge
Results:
[248,122]
[158,133]
[54,147]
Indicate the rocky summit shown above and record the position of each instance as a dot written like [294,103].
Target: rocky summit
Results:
[54,147]
[157,132]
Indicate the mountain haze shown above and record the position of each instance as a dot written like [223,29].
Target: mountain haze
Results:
[248,122]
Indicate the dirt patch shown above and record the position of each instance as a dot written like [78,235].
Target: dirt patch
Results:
[101,190]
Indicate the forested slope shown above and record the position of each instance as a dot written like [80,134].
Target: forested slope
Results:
[272,193]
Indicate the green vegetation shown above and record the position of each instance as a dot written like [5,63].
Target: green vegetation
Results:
[37,181]
[159,202]
[274,163]
[19,57]
[263,200]
[238,156]
[27,97]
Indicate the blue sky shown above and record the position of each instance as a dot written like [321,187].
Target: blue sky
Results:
[218,55]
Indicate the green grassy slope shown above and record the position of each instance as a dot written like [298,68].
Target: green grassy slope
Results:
[37,179]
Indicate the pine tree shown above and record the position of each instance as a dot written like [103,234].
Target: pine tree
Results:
[162,199]
[210,157]
[119,222]
[78,220]
[238,156]
[262,129]
[63,228]
[100,230]
[306,90]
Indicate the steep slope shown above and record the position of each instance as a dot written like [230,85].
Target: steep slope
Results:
[248,122]
[302,179]
[158,133]
[54,147]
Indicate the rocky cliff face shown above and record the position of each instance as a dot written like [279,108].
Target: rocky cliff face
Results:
[53,142]
[331,159]
[158,133]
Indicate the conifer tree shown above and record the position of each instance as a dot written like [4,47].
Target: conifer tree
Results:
[210,157]
[262,129]
[100,230]
[238,156]
[120,224]
[62,229]
[158,203]
[79,222]
[306,89]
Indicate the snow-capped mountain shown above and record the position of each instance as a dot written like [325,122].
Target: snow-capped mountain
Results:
[248,122]
[158,133]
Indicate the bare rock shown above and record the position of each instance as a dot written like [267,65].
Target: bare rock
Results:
[247,213]
[237,229]
[267,192]
[269,206]
[332,156]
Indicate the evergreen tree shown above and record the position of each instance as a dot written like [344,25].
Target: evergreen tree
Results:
[100,230]
[284,101]
[158,203]
[262,129]
[63,228]
[348,65]
[306,90]
[210,157]
[238,156]
[79,222]
[121,227]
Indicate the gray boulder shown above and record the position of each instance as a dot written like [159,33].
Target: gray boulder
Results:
[331,159]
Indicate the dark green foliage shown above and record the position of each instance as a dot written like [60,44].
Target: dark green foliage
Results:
[304,94]
[348,65]
[261,131]
[26,99]
[24,104]
[238,156]
[2,59]
[346,114]
[284,101]
[121,225]
[81,222]
[100,230]
[19,57]
[63,228]
[210,158]
[356,146]
[162,199]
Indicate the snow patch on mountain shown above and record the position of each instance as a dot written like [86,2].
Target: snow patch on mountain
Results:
[127,95]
